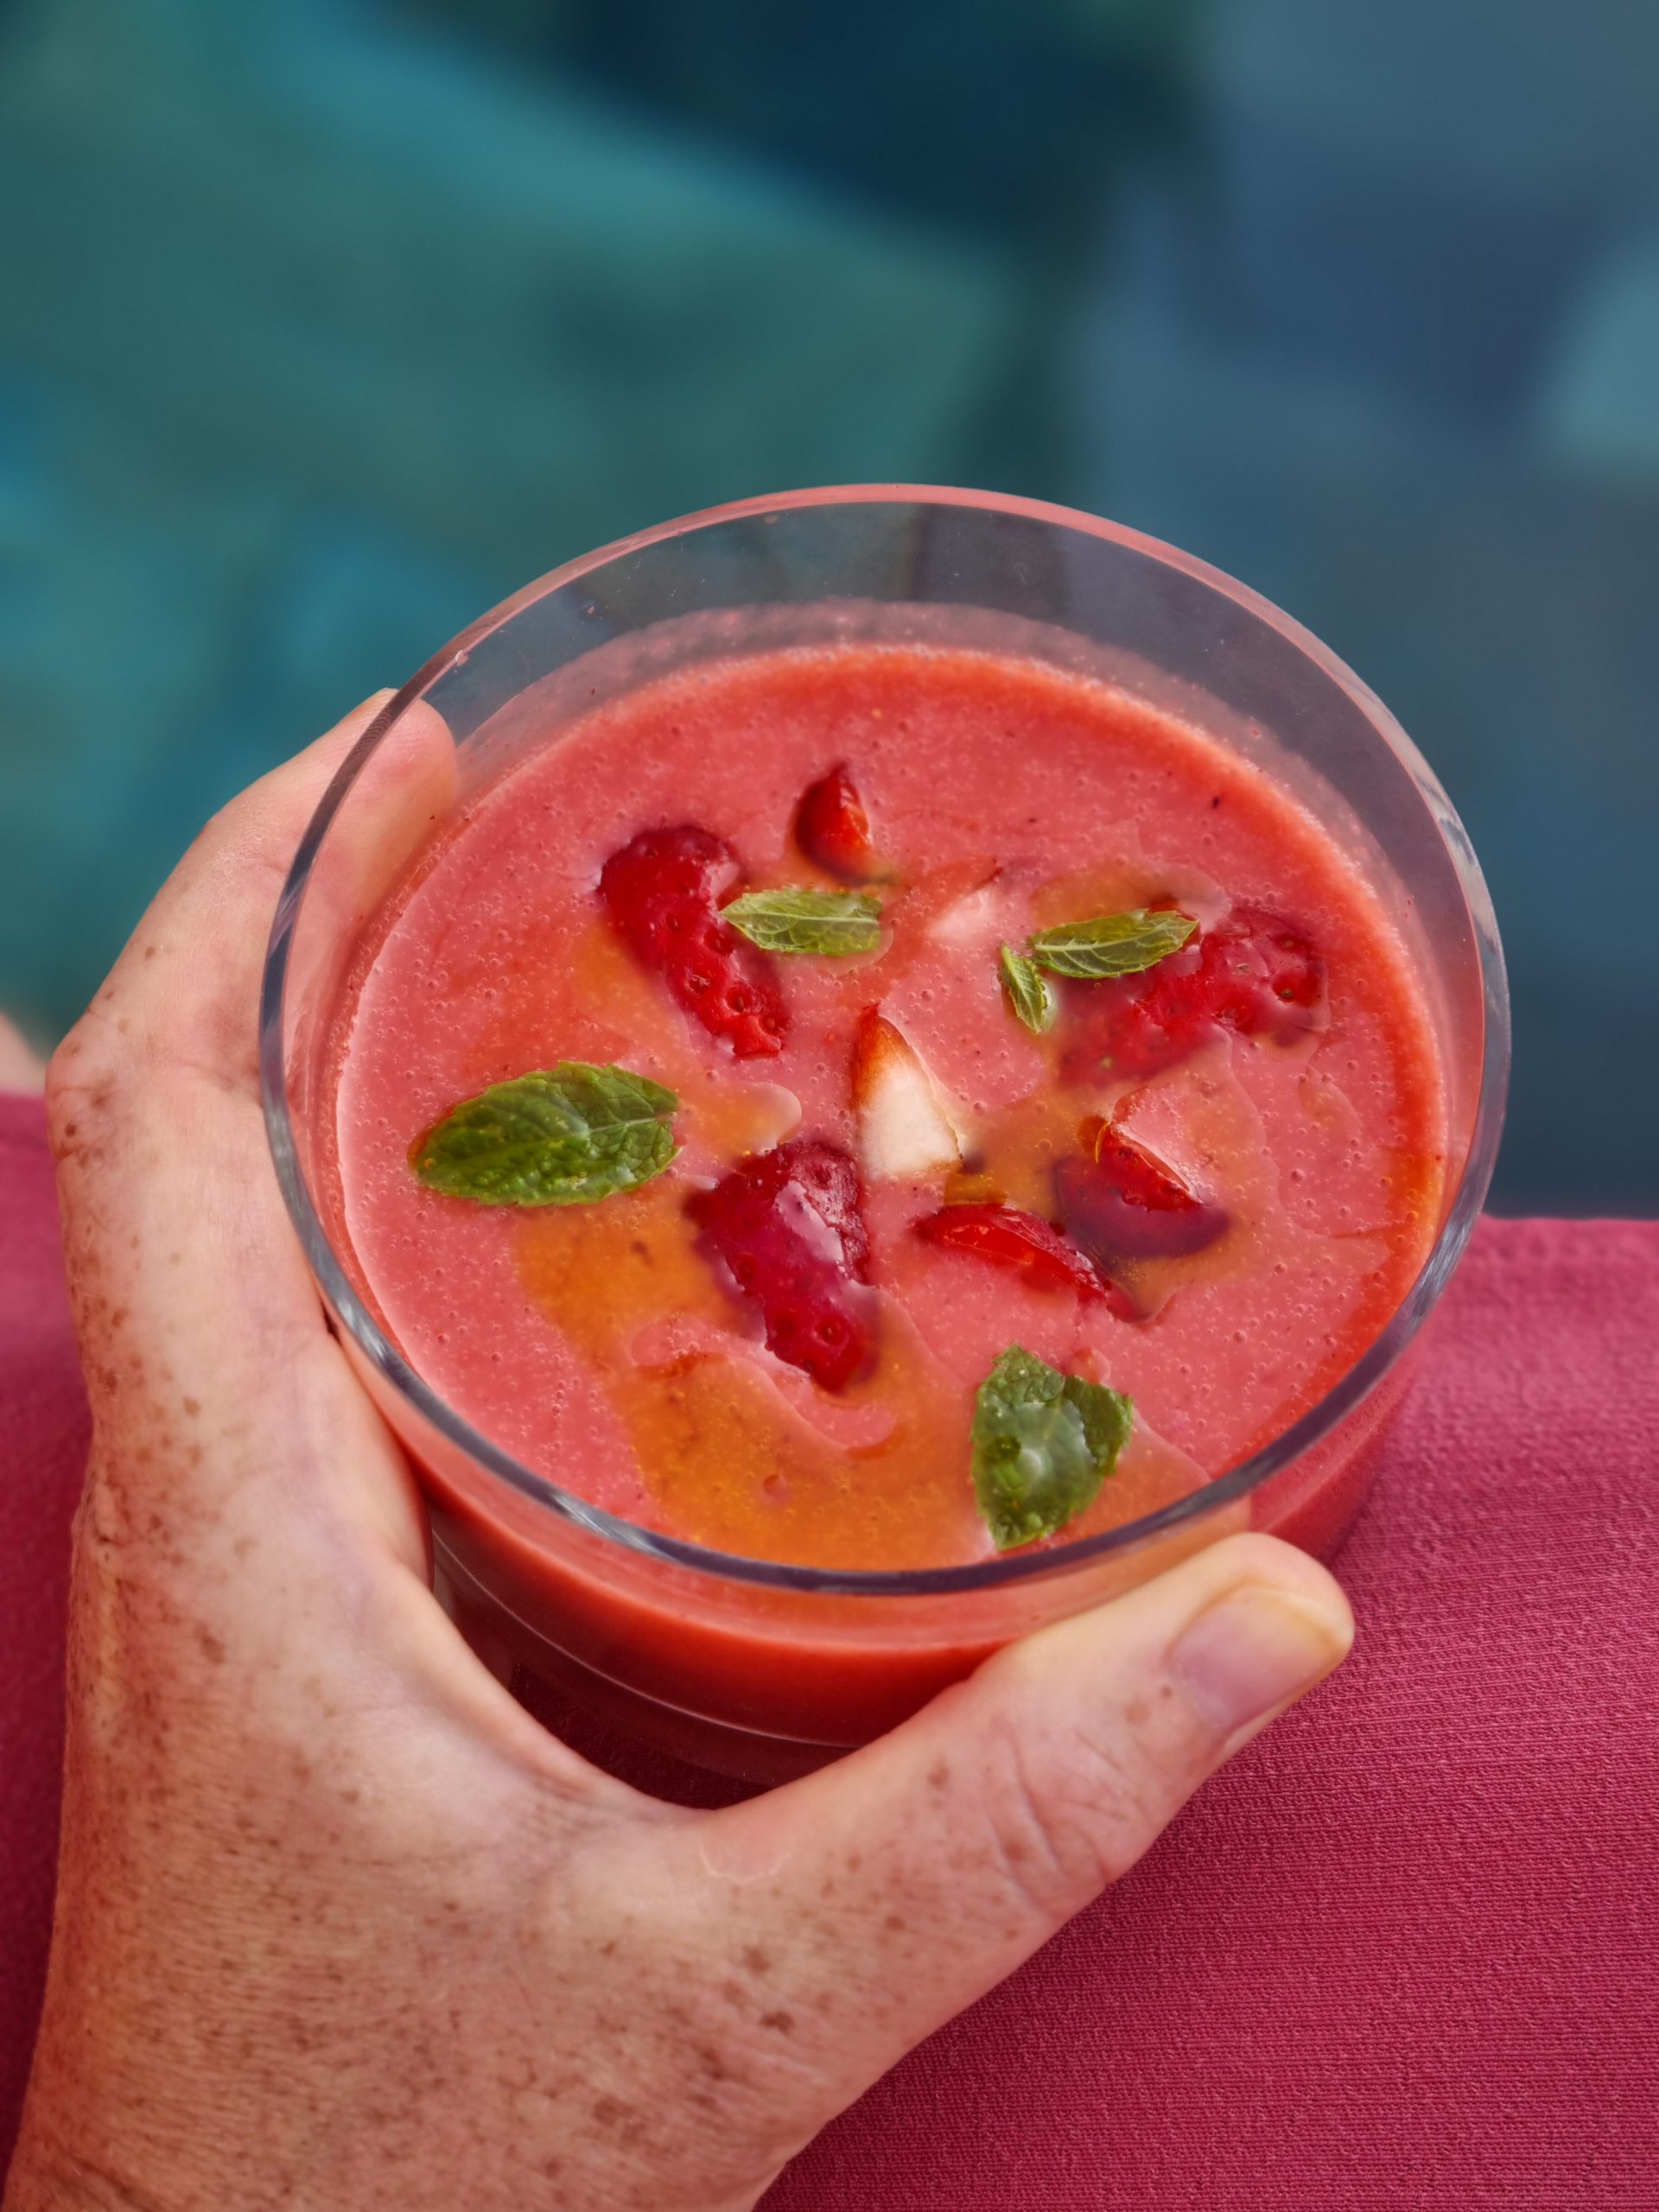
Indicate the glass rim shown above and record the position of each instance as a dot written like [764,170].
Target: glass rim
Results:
[1348,1392]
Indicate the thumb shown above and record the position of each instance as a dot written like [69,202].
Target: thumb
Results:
[889,1890]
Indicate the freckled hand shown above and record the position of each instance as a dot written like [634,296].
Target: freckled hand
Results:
[337,1923]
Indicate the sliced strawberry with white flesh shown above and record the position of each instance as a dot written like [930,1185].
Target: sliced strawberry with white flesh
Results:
[908,1127]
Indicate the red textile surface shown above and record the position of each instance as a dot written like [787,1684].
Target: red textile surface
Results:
[43,1432]
[1403,1953]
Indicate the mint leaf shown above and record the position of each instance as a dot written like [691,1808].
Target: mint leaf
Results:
[1044,1443]
[1030,993]
[791,920]
[562,1136]
[1114,944]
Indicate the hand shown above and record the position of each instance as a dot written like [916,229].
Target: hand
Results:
[337,1923]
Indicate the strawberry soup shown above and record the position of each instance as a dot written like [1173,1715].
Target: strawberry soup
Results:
[866,1129]
[1198,1166]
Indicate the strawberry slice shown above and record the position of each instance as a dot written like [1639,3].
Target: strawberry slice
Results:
[1132,1026]
[908,1125]
[664,890]
[1252,973]
[1025,1245]
[787,1229]
[1261,977]
[832,827]
[1120,1202]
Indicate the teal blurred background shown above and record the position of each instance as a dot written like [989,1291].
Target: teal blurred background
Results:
[324,324]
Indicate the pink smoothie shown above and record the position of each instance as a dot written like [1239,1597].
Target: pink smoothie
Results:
[600,1345]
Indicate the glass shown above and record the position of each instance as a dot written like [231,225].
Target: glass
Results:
[740,1664]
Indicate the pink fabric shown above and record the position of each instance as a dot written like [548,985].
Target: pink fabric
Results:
[43,1431]
[1404,1953]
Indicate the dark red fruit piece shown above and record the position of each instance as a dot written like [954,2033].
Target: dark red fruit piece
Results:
[662,891]
[787,1226]
[1252,973]
[1026,1246]
[1260,975]
[832,827]
[1134,1025]
[1119,1202]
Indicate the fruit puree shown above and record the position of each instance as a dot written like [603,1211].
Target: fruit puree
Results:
[1206,1186]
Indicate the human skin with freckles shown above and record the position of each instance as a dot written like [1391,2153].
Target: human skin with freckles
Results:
[337,1922]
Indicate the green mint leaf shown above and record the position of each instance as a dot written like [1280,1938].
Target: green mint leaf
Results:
[791,920]
[1114,944]
[1030,993]
[562,1136]
[1044,1443]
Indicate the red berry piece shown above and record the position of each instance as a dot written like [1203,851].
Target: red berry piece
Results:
[1119,1202]
[787,1229]
[662,891]
[1026,1245]
[1252,973]
[1134,1025]
[1261,977]
[832,827]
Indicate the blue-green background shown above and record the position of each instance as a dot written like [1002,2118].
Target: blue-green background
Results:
[325,323]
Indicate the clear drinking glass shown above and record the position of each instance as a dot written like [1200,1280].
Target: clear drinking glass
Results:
[738,1664]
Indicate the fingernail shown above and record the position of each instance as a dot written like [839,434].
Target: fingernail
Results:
[1255,1649]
